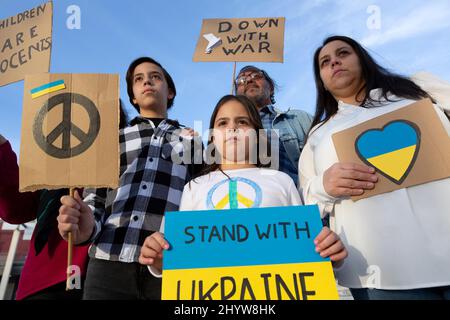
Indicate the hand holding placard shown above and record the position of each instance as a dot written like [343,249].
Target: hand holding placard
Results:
[152,250]
[348,179]
[329,245]
[75,217]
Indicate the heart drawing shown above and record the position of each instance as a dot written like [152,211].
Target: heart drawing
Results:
[392,150]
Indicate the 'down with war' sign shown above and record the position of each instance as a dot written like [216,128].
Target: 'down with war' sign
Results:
[25,43]
[249,39]
[246,254]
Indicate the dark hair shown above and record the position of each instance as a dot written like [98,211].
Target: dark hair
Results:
[272,83]
[374,75]
[129,79]
[123,119]
[255,122]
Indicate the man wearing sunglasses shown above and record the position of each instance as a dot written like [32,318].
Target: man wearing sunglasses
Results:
[292,125]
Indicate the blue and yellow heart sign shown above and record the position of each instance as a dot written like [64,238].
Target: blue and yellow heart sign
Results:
[392,150]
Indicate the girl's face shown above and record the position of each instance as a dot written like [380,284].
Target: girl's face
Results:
[234,137]
[340,69]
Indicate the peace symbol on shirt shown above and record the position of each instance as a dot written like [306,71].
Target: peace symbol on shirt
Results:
[233,197]
[66,128]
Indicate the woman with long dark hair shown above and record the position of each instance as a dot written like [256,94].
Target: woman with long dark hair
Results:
[398,242]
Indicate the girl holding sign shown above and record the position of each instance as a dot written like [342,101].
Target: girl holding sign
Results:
[238,179]
[399,241]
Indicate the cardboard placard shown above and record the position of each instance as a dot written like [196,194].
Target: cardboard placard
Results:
[407,147]
[250,39]
[70,131]
[246,254]
[25,43]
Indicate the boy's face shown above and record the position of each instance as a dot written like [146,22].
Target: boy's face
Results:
[150,87]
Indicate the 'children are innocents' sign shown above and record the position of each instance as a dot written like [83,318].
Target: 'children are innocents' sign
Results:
[25,43]
[249,39]
[246,254]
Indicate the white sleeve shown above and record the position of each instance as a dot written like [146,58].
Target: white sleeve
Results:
[154,272]
[294,195]
[436,87]
[311,183]
[186,203]
[445,121]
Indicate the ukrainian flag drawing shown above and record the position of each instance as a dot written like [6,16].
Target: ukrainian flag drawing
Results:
[47,88]
[392,150]
[246,254]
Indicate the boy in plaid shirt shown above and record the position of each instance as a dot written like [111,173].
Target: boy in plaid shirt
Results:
[156,161]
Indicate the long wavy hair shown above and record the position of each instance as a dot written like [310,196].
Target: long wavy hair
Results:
[374,75]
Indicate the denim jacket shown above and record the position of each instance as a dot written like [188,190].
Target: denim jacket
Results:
[293,126]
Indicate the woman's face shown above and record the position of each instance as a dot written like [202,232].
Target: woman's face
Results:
[340,69]
[234,137]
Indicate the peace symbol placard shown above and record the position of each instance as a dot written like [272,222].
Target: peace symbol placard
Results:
[70,134]
[66,127]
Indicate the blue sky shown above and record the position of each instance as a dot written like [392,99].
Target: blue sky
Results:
[414,36]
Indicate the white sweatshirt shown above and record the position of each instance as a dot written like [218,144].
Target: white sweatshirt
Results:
[397,240]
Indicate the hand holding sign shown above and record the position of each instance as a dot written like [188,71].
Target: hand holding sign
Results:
[75,217]
[348,179]
[152,250]
[329,245]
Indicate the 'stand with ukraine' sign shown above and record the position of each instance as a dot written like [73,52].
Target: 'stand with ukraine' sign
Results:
[246,254]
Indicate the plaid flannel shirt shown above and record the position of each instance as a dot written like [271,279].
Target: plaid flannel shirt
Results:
[152,178]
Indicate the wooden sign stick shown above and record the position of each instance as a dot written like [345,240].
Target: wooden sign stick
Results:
[234,79]
[69,251]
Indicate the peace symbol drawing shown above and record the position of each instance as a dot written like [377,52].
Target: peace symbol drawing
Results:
[65,129]
[234,199]
[392,150]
